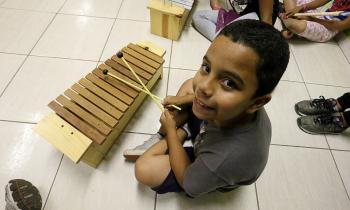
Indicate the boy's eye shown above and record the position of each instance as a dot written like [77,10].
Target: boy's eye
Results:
[229,83]
[205,68]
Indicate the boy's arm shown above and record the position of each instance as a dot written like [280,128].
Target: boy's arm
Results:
[333,25]
[265,9]
[178,158]
[308,6]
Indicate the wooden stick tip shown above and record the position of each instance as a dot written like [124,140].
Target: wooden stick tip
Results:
[105,72]
[119,54]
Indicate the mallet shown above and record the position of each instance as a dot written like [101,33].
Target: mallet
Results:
[105,72]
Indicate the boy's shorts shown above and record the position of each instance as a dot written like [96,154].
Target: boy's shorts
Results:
[170,183]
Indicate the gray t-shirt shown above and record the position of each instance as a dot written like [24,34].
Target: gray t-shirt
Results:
[228,158]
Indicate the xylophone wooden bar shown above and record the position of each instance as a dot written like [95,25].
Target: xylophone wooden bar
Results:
[93,112]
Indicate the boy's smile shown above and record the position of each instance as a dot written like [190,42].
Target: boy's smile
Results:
[225,84]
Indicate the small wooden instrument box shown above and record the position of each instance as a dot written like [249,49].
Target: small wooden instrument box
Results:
[93,112]
[167,19]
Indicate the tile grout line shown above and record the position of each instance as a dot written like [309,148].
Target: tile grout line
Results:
[155,201]
[71,14]
[15,121]
[292,52]
[341,49]
[297,146]
[311,83]
[25,59]
[27,10]
[341,178]
[257,197]
[10,53]
[144,21]
[63,58]
[109,34]
[85,15]
[53,181]
[296,62]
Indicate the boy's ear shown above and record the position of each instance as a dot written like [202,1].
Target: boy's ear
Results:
[258,103]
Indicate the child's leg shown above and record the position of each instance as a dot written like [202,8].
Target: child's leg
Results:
[317,32]
[180,118]
[205,23]
[344,101]
[289,4]
[346,116]
[294,25]
[153,166]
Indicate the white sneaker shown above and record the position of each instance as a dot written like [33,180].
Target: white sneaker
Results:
[133,154]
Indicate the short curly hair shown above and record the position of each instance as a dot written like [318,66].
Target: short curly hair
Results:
[268,43]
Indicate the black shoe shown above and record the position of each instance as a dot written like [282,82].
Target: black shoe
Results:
[323,124]
[22,195]
[316,106]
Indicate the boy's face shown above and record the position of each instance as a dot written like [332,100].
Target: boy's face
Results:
[225,84]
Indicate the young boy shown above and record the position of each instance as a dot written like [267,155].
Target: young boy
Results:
[227,122]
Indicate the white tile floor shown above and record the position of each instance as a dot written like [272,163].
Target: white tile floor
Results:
[46,45]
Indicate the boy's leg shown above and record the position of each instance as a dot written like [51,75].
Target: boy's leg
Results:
[344,101]
[205,23]
[179,116]
[347,117]
[153,167]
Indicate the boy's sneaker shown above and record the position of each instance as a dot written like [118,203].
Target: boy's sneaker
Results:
[316,106]
[133,154]
[323,124]
[22,195]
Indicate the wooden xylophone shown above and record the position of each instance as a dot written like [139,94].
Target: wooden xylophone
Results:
[93,112]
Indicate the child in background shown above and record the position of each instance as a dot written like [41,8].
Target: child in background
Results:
[324,116]
[318,29]
[227,123]
[210,22]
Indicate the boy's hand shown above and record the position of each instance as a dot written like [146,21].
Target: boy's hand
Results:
[167,121]
[175,100]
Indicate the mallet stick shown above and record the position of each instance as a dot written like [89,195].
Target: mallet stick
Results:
[319,14]
[105,72]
